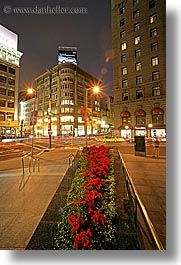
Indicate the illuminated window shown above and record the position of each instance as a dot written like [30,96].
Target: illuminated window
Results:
[153,32]
[154,61]
[123,46]
[124,71]
[153,18]
[138,66]
[137,40]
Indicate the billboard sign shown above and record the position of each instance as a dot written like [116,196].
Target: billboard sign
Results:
[8,38]
[67,55]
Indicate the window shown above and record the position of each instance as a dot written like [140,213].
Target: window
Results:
[124,71]
[153,18]
[2,91]
[126,120]
[154,61]
[122,22]
[124,96]
[153,32]
[122,34]
[139,93]
[11,81]
[140,120]
[152,4]
[136,27]
[136,2]
[10,93]
[136,13]
[125,83]
[3,68]
[139,79]
[137,40]
[137,53]
[156,91]
[11,71]
[123,46]
[122,10]
[157,119]
[10,104]
[123,58]
[154,46]
[2,103]
[155,76]
[3,79]
[138,66]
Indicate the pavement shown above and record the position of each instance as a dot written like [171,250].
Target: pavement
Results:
[24,200]
[149,178]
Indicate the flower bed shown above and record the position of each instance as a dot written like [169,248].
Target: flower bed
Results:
[89,217]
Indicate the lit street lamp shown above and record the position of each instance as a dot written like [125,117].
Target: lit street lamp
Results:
[31,91]
[96,90]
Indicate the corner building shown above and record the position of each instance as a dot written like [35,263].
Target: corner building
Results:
[61,97]
[9,82]
[139,67]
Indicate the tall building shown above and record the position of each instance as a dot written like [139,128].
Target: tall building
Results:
[61,97]
[107,113]
[9,82]
[139,67]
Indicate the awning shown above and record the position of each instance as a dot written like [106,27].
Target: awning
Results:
[157,111]
[140,112]
[125,114]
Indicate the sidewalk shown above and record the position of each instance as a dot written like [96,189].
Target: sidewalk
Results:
[149,178]
[23,201]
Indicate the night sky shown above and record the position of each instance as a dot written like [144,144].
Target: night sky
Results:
[41,34]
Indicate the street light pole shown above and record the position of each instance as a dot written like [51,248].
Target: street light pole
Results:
[31,91]
[95,90]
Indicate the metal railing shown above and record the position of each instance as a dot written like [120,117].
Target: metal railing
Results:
[31,163]
[142,221]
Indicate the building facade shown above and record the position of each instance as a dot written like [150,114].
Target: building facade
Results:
[9,82]
[139,67]
[107,113]
[61,100]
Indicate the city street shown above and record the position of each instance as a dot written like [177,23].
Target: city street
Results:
[24,200]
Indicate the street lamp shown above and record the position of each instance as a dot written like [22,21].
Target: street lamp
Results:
[96,90]
[32,91]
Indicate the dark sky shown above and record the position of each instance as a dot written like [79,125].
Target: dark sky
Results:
[41,34]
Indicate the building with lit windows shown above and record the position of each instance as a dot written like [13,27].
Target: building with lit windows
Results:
[9,82]
[139,67]
[61,101]
[107,113]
